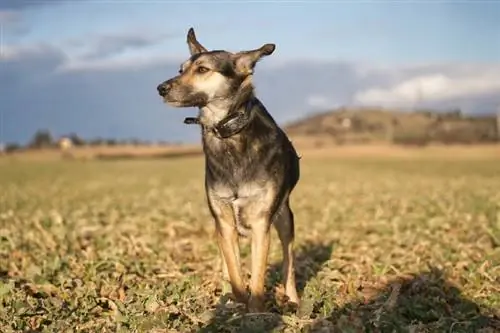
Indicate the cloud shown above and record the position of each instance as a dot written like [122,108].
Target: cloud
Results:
[35,57]
[134,62]
[9,16]
[23,4]
[319,102]
[43,87]
[102,52]
[120,104]
[12,18]
[19,4]
[25,54]
[114,50]
[436,86]
[12,23]
[112,44]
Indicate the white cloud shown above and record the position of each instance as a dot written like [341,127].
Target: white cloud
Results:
[103,45]
[451,83]
[471,87]
[8,52]
[319,102]
[71,61]
[114,63]
[16,52]
[13,24]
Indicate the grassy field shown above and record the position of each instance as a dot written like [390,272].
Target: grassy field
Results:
[392,244]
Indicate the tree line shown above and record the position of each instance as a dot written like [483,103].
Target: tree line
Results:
[43,139]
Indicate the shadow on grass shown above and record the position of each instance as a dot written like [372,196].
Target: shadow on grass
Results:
[424,302]
[309,259]
[417,303]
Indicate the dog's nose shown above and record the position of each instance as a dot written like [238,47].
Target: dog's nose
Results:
[163,88]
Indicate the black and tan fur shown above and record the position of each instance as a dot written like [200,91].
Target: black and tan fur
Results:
[251,166]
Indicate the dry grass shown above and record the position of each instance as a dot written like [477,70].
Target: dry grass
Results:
[94,152]
[383,244]
[309,146]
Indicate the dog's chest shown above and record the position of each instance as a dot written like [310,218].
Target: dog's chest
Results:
[243,193]
[234,160]
[248,200]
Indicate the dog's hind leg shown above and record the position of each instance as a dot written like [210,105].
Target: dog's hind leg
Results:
[284,224]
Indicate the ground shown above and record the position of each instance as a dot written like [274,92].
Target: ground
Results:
[403,243]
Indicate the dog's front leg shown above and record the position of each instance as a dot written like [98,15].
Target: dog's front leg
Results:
[227,239]
[227,285]
[256,212]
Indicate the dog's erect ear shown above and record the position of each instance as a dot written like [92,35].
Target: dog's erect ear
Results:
[245,61]
[194,46]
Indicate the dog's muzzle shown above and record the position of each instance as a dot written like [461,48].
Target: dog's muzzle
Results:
[164,88]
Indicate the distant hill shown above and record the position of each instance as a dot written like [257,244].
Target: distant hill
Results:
[364,125]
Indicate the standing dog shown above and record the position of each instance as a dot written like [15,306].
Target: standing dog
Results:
[251,166]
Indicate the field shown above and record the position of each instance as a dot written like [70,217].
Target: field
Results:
[403,242]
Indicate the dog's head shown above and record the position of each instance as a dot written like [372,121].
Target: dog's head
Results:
[209,76]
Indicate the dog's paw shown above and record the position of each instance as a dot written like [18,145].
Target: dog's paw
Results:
[256,304]
[290,307]
[231,298]
[229,303]
[226,298]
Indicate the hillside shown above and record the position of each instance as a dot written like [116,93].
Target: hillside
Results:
[361,126]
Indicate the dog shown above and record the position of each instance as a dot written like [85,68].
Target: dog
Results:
[251,166]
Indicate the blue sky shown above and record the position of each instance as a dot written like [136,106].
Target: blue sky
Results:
[381,31]
[341,52]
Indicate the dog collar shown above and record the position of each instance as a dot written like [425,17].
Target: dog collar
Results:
[231,125]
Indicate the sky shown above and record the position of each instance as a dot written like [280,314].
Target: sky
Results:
[92,66]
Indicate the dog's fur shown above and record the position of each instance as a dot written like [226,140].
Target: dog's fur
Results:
[251,166]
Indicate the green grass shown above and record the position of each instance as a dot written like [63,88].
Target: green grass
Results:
[128,246]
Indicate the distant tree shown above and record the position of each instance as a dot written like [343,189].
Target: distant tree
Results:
[111,142]
[97,142]
[12,147]
[76,140]
[136,142]
[41,139]
[454,114]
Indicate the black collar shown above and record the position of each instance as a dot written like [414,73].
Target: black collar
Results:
[231,125]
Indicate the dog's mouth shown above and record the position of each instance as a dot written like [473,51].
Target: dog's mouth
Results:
[175,102]
[183,103]
[172,102]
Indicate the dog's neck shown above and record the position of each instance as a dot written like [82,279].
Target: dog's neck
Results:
[228,117]
[225,123]
[214,112]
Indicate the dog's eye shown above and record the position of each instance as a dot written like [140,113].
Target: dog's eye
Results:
[202,69]
[180,71]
